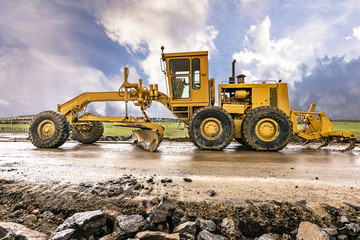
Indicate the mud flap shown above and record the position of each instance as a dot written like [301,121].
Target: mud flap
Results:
[146,139]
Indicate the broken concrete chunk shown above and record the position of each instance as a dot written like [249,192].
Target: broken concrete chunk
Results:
[206,235]
[310,231]
[344,219]
[63,235]
[230,228]
[206,224]
[265,237]
[150,235]
[353,228]
[128,225]
[84,223]
[186,227]
[331,231]
[9,230]
[161,212]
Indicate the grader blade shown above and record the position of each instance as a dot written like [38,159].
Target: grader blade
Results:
[146,139]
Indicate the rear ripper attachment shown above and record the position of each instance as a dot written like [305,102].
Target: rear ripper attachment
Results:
[317,125]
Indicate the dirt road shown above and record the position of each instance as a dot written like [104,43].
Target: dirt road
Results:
[293,174]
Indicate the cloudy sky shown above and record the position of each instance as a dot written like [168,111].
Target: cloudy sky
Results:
[51,51]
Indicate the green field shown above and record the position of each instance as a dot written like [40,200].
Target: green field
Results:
[345,126]
[172,130]
[23,127]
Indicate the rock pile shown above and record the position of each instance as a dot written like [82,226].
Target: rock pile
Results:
[108,224]
[108,210]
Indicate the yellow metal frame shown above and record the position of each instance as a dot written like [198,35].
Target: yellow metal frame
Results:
[141,96]
[260,96]
[314,128]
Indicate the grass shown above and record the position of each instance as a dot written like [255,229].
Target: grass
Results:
[173,131]
[23,127]
[345,126]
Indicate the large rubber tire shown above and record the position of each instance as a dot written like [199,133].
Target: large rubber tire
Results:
[49,130]
[90,135]
[211,128]
[266,128]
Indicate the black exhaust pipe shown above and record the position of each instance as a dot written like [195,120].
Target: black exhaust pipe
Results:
[232,78]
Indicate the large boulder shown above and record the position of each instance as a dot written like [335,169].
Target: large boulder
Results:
[230,228]
[353,228]
[161,213]
[151,235]
[310,231]
[265,237]
[82,224]
[9,230]
[206,224]
[186,227]
[128,225]
[206,235]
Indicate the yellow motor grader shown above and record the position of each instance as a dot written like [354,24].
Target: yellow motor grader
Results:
[255,114]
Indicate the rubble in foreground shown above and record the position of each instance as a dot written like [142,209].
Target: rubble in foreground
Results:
[113,210]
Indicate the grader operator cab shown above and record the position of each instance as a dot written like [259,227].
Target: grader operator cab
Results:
[256,115]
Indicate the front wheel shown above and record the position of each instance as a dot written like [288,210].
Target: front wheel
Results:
[266,128]
[211,128]
[89,133]
[49,130]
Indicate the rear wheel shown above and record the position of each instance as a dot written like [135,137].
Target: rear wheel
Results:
[266,128]
[49,130]
[88,133]
[211,128]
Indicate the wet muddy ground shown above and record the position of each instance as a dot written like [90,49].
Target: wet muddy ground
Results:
[235,174]
[79,177]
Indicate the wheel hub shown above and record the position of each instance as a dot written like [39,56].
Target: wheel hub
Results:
[86,130]
[211,128]
[267,129]
[46,129]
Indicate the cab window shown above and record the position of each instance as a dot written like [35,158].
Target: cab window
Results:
[180,86]
[196,73]
[179,66]
[180,80]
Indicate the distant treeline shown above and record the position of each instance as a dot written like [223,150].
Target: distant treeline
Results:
[332,120]
[13,129]
[22,121]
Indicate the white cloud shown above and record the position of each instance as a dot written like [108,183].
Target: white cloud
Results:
[269,58]
[35,80]
[356,32]
[40,64]
[143,26]
[4,102]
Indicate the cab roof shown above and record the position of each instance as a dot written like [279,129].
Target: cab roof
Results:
[185,54]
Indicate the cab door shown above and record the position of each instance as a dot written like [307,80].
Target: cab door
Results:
[188,80]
